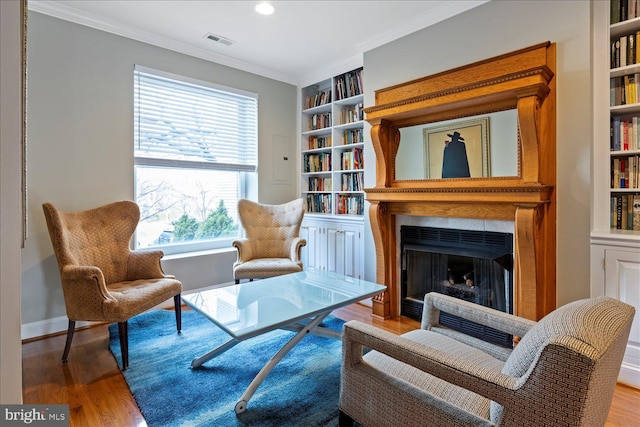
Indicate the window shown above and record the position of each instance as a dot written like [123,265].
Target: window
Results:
[195,144]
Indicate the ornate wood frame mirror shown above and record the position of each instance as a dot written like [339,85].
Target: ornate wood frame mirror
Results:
[522,80]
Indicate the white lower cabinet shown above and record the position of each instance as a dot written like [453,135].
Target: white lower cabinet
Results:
[333,245]
[616,273]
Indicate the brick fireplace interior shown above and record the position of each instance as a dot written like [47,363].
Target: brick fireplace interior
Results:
[522,80]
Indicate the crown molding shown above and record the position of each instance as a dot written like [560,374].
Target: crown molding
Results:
[445,10]
[66,13]
[334,69]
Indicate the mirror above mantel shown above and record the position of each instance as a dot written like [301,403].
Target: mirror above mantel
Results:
[490,143]
[515,90]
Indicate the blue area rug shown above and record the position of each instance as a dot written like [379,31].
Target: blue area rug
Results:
[302,390]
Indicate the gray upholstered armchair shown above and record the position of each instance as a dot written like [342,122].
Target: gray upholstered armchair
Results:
[272,244]
[562,373]
[102,278]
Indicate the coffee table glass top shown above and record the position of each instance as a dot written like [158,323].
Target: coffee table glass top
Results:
[251,308]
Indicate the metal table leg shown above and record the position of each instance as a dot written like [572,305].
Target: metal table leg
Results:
[241,406]
[213,353]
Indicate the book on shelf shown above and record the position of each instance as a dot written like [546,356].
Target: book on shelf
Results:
[623,10]
[350,204]
[319,184]
[353,136]
[625,172]
[635,210]
[624,50]
[320,121]
[625,211]
[348,84]
[321,97]
[316,142]
[350,160]
[624,90]
[352,114]
[319,203]
[352,182]
[624,206]
[624,134]
[320,162]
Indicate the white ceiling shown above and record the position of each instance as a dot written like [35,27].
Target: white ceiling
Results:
[303,41]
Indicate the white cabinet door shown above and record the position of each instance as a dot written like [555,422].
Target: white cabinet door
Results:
[313,254]
[333,246]
[622,281]
[334,253]
[344,247]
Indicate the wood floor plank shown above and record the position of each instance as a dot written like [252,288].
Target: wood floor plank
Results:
[97,394]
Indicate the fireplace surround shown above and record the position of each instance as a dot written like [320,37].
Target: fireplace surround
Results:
[522,80]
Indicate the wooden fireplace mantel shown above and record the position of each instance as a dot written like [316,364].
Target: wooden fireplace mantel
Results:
[522,80]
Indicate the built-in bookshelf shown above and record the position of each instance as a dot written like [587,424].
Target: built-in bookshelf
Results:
[624,110]
[615,249]
[332,141]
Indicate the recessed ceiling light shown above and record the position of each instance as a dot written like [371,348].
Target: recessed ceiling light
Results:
[265,9]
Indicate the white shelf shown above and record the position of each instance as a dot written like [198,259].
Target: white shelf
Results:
[620,110]
[624,27]
[349,101]
[351,125]
[625,190]
[624,153]
[317,150]
[319,109]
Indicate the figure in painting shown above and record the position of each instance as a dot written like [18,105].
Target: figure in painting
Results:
[455,163]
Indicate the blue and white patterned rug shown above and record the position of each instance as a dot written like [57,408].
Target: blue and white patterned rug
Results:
[301,391]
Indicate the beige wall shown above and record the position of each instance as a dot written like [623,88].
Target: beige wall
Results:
[492,29]
[80,156]
[10,224]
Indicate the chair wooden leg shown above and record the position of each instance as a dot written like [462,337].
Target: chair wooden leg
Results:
[67,346]
[345,420]
[177,302]
[124,343]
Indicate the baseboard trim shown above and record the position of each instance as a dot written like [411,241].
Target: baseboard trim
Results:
[629,375]
[60,324]
[49,327]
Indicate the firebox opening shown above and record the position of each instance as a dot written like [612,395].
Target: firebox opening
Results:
[475,266]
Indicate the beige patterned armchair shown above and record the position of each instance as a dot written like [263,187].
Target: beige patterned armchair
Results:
[102,278]
[562,373]
[272,244]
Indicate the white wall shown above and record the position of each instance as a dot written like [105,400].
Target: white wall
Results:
[80,126]
[10,208]
[492,29]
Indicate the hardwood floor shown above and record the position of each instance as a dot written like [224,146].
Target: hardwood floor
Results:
[97,395]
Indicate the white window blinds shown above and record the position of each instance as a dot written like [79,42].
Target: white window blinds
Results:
[180,122]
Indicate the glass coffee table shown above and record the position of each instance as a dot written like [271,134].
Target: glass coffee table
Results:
[296,302]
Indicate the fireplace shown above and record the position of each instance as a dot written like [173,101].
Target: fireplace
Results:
[475,266]
[522,80]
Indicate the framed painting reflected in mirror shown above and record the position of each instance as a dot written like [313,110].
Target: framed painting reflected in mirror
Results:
[457,150]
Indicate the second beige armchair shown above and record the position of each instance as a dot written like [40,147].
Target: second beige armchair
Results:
[272,245]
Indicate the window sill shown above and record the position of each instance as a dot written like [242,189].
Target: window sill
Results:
[195,254]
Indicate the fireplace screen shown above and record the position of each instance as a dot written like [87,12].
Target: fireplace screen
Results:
[475,266]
